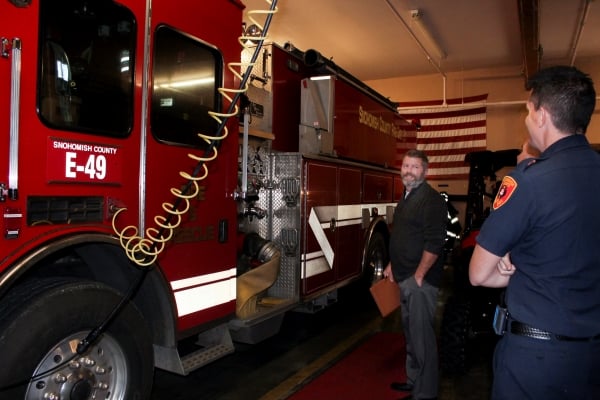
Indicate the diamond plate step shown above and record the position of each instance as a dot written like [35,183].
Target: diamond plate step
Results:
[215,344]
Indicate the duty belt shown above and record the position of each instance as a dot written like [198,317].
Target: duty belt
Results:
[519,328]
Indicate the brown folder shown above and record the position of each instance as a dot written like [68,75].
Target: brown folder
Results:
[386,295]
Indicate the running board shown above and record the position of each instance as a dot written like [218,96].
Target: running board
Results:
[214,344]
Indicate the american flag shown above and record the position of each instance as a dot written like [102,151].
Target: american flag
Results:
[448,133]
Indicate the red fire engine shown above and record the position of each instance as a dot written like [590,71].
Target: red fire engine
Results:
[140,208]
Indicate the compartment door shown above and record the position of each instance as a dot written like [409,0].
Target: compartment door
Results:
[319,220]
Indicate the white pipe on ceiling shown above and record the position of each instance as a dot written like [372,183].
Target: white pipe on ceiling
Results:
[505,103]
[582,18]
[416,39]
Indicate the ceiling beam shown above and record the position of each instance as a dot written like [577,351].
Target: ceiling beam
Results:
[530,36]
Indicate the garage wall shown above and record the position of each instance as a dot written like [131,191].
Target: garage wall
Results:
[505,121]
[506,106]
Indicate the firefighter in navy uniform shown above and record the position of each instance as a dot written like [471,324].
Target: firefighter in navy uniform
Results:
[542,242]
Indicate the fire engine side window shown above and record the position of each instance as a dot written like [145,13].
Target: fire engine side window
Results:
[186,75]
[86,66]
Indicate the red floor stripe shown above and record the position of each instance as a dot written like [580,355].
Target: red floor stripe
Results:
[365,373]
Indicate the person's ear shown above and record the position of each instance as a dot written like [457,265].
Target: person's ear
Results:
[541,117]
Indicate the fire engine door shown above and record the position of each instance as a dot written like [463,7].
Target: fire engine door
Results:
[349,225]
[186,73]
[333,235]
[319,225]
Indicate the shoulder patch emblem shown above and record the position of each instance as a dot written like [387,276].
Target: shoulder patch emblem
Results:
[506,190]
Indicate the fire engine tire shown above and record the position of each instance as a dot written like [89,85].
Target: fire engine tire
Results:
[454,336]
[41,324]
[377,258]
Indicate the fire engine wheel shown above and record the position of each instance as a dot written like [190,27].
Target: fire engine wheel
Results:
[39,331]
[377,258]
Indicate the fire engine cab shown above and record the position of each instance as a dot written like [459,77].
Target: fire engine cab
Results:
[162,179]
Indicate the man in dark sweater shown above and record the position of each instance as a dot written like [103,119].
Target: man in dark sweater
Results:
[416,254]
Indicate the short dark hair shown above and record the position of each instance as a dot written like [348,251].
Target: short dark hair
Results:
[418,154]
[567,93]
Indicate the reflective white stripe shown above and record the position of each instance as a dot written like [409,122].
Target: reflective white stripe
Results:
[205,291]
[319,233]
[202,279]
[351,214]
[354,211]
[314,267]
[310,256]
[354,221]
[351,211]
[320,219]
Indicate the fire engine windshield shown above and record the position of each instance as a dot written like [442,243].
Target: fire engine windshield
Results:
[186,75]
[86,66]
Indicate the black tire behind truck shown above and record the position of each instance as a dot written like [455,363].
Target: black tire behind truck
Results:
[466,327]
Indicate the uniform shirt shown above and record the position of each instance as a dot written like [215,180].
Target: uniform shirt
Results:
[419,224]
[547,214]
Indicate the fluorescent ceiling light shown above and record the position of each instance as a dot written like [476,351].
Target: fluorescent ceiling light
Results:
[423,32]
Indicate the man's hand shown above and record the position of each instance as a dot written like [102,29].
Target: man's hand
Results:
[419,279]
[387,272]
[527,151]
[484,268]
[505,266]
